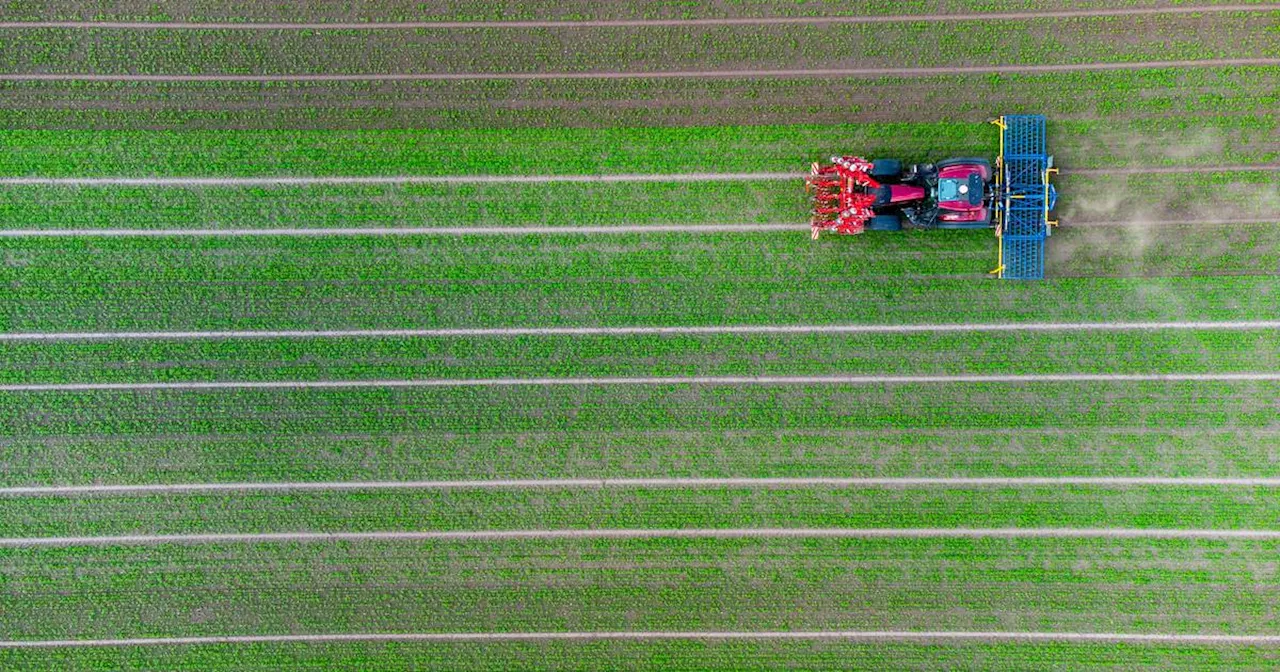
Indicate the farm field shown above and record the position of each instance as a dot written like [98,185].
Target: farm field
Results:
[508,347]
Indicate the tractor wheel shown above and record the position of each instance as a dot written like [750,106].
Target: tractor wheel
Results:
[890,222]
[886,169]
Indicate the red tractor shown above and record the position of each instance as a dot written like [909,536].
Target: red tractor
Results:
[852,194]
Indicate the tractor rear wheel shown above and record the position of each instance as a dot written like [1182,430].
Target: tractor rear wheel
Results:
[890,222]
[886,169]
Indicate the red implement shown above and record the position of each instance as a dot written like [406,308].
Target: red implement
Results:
[843,193]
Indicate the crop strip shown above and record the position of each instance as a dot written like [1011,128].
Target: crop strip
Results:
[301,181]
[637,483]
[1242,325]
[437,231]
[640,23]
[668,533]
[672,74]
[1270,376]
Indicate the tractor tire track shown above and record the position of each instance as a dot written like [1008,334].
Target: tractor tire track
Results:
[632,635]
[669,533]
[637,23]
[1172,170]
[745,329]
[1271,376]
[639,483]
[673,74]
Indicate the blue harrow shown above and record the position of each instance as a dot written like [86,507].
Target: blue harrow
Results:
[1024,197]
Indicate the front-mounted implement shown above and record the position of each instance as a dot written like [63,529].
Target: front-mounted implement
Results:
[852,195]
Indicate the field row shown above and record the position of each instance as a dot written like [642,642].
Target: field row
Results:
[1161,37]
[563,10]
[677,279]
[1079,96]
[314,452]
[286,299]
[1126,201]
[570,151]
[1157,405]
[1181,351]
[691,654]
[1086,507]
[1012,585]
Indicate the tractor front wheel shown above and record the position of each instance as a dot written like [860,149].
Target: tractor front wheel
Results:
[886,169]
[890,222]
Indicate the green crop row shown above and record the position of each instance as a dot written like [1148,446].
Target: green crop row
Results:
[1157,351]
[1092,144]
[627,280]
[409,205]
[1111,95]
[41,266]
[411,453]
[702,655]
[1157,37]
[1208,507]
[388,302]
[568,585]
[658,407]
[471,151]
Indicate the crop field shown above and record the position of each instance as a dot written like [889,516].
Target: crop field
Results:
[490,335]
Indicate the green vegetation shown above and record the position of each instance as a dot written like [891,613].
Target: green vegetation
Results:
[731,656]
[1156,37]
[661,584]
[656,408]
[468,151]
[314,453]
[1111,96]
[1117,265]
[1205,351]
[668,655]
[776,278]
[574,151]
[1212,507]
[408,205]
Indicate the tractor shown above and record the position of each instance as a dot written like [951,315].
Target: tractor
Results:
[1013,197]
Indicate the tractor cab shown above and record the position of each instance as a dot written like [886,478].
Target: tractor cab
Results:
[961,192]
[965,194]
